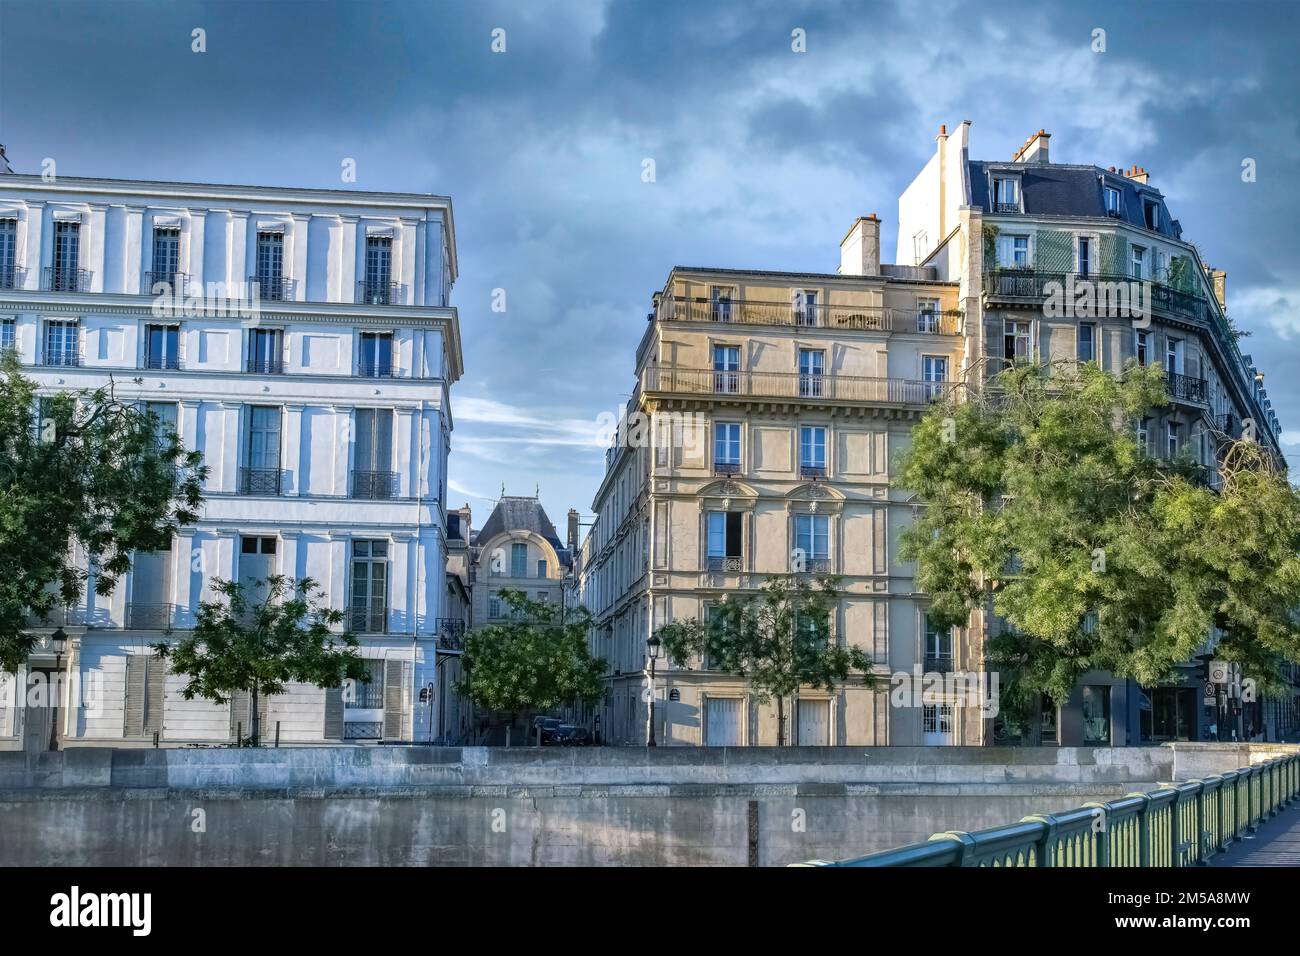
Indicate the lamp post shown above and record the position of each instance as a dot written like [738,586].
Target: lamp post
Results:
[58,643]
[652,646]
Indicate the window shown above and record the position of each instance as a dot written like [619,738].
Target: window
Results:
[1173,356]
[723,534]
[1096,714]
[256,564]
[543,597]
[1171,439]
[1151,213]
[1144,435]
[936,724]
[372,462]
[1006,194]
[1047,722]
[8,253]
[726,445]
[8,336]
[266,351]
[165,424]
[379,270]
[166,259]
[1085,256]
[368,694]
[261,473]
[1016,341]
[812,450]
[812,537]
[270,262]
[1137,269]
[934,372]
[518,560]
[1019,246]
[67,247]
[811,366]
[1087,346]
[368,606]
[162,346]
[805,307]
[494,606]
[541,567]
[146,675]
[62,342]
[376,358]
[726,368]
[1171,714]
[720,303]
[814,723]
[927,315]
[938,646]
[1112,202]
[1143,347]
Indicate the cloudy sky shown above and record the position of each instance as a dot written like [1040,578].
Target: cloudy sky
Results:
[762,156]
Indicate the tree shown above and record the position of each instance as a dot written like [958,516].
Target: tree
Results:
[1038,497]
[257,647]
[779,639]
[80,471]
[537,658]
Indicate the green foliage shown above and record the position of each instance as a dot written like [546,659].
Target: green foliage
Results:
[1038,495]
[778,639]
[535,659]
[79,471]
[257,647]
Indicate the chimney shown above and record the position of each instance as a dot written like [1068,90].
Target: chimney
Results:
[860,248]
[4,161]
[1138,174]
[574,531]
[1034,150]
[1219,279]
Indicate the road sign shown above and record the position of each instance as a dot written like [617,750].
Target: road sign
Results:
[1220,672]
[1209,696]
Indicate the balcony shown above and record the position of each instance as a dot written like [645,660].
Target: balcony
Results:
[376,292]
[840,317]
[170,363]
[451,633]
[1028,285]
[367,620]
[262,481]
[812,471]
[176,283]
[728,563]
[264,366]
[726,469]
[938,663]
[66,358]
[376,370]
[65,280]
[1184,388]
[272,288]
[12,277]
[816,566]
[150,617]
[374,485]
[792,385]
[1006,208]
[1228,427]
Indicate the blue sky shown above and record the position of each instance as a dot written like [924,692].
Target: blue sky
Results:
[762,156]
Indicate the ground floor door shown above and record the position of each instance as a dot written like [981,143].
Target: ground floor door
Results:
[41,714]
[722,722]
[936,725]
[813,723]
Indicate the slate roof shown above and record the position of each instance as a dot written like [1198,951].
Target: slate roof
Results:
[1056,189]
[514,513]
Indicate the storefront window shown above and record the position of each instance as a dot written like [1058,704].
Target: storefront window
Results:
[1096,715]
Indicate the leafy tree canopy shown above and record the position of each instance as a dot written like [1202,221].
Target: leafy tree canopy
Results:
[85,480]
[1038,494]
[536,658]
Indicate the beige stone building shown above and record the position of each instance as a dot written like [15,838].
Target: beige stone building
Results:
[518,548]
[767,411]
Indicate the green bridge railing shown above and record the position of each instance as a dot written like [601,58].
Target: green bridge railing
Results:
[1182,824]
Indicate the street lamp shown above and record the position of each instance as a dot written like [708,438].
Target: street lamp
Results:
[652,646]
[58,644]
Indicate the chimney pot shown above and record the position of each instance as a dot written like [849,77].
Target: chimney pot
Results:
[943,130]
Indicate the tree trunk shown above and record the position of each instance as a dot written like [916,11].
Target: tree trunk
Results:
[256,729]
[780,721]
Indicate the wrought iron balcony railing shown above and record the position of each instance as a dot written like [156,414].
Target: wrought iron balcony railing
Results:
[374,485]
[815,566]
[812,471]
[63,357]
[451,633]
[65,280]
[728,563]
[1015,283]
[169,362]
[376,370]
[1228,426]
[938,663]
[834,388]
[374,292]
[12,277]
[368,620]
[263,366]
[166,283]
[726,467]
[272,288]
[1184,388]
[1006,207]
[262,481]
[150,617]
[848,317]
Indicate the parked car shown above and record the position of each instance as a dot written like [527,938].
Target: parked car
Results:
[548,726]
[567,735]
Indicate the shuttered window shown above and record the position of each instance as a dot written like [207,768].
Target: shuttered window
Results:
[722,719]
[145,685]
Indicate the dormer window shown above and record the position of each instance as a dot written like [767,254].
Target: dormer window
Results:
[1006,194]
[1112,202]
[1152,214]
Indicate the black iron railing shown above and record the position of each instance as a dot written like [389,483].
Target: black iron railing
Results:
[1184,388]
[150,617]
[938,663]
[374,292]
[731,562]
[374,485]
[376,370]
[834,388]
[815,566]
[12,277]
[175,283]
[262,481]
[368,620]
[65,280]
[726,467]
[1006,207]
[851,317]
[451,633]
[263,366]
[171,362]
[272,288]
[812,471]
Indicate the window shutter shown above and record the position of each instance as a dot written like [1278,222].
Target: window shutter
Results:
[240,707]
[333,713]
[393,700]
[136,665]
[156,677]
[264,728]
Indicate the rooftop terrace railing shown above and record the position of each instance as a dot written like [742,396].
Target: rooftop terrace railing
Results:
[1182,824]
[792,385]
[805,315]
